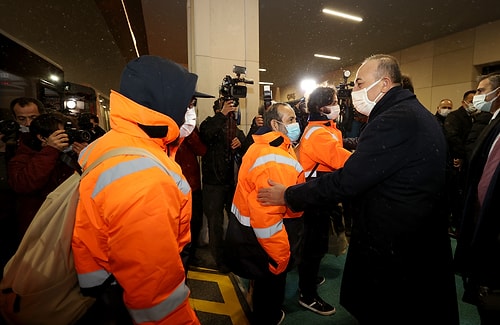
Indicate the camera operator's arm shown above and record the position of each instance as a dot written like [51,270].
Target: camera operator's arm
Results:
[58,140]
[78,147]
[212,126]
[228,107]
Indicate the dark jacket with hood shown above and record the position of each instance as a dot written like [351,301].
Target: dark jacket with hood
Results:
[400,253]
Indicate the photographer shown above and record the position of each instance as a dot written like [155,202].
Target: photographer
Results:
[223,139]
[40,164]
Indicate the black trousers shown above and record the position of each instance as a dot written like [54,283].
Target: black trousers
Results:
[267,298]
[317,225]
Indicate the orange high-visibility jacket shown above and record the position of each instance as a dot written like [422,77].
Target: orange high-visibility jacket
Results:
[321,143]
[133,219]
[260,163]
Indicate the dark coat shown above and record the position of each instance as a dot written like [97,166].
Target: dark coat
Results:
[457,126]
[478,243]
[218,164]
[399,255]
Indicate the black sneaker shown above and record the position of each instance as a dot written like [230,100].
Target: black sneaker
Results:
[320,280]
[317,305]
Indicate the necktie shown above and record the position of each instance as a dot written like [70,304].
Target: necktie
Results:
[489,168]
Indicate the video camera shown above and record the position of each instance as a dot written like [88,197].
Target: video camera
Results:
[76,135]
[234,88]
[8,127]
[347,111]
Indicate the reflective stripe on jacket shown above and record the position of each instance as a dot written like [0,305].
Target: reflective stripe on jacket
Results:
[133,219]
[322,143]
[261,163]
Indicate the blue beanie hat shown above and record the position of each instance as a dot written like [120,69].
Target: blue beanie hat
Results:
[159,84]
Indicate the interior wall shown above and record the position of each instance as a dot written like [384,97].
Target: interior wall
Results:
[443,68]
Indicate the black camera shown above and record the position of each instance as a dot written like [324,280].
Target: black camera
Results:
[268,96]
[346,115]
[234,88]
[8,127]
[76,135]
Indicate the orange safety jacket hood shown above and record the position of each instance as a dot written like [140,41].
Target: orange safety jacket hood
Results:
[133,219]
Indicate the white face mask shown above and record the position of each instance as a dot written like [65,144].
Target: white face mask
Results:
[361,101]
[480,102]
[24,129]
[470,108]
[444,112]
[334,112]
[189,122]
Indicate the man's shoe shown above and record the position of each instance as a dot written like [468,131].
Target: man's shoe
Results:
[320,280]
[317,305]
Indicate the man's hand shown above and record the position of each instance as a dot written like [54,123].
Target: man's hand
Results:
[78,147]
[235,143]
[58,139]
[259,120]
[228,107]
[274,195]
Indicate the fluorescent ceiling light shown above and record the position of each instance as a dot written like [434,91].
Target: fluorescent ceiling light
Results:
[327,57]
[342,15]
[266,83]
[262,70]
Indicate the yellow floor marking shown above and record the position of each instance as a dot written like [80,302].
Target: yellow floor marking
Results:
[231,305]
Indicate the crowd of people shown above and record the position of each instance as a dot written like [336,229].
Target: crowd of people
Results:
[417,180]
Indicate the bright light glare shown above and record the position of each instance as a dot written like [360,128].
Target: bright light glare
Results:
[53,77]
[262,70]
[71,104]
[266,83]
[308,85]
[327,56]
[342,15]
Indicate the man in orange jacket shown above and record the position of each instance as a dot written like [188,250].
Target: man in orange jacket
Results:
[133,216]
[276,228]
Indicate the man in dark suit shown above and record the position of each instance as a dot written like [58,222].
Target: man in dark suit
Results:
[478,244]
[397,178]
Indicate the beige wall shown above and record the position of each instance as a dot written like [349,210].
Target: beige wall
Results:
[443,68]
[216,42]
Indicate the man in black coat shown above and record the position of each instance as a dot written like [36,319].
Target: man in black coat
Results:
[478,243]
[220,163]
[398,268]
[457,127]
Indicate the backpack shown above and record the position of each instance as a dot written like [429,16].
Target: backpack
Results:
[40,284]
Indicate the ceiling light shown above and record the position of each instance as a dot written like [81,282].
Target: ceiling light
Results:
[262,70]
[342,15]
[266,83]
[327,56]
[308,85]
[54,77]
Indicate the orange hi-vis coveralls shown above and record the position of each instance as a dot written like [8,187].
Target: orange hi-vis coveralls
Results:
[260,163]
[321,143]
[133,219]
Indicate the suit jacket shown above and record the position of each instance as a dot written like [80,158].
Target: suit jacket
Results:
[478,244]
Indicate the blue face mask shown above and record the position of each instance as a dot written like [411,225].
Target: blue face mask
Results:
[293,131]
